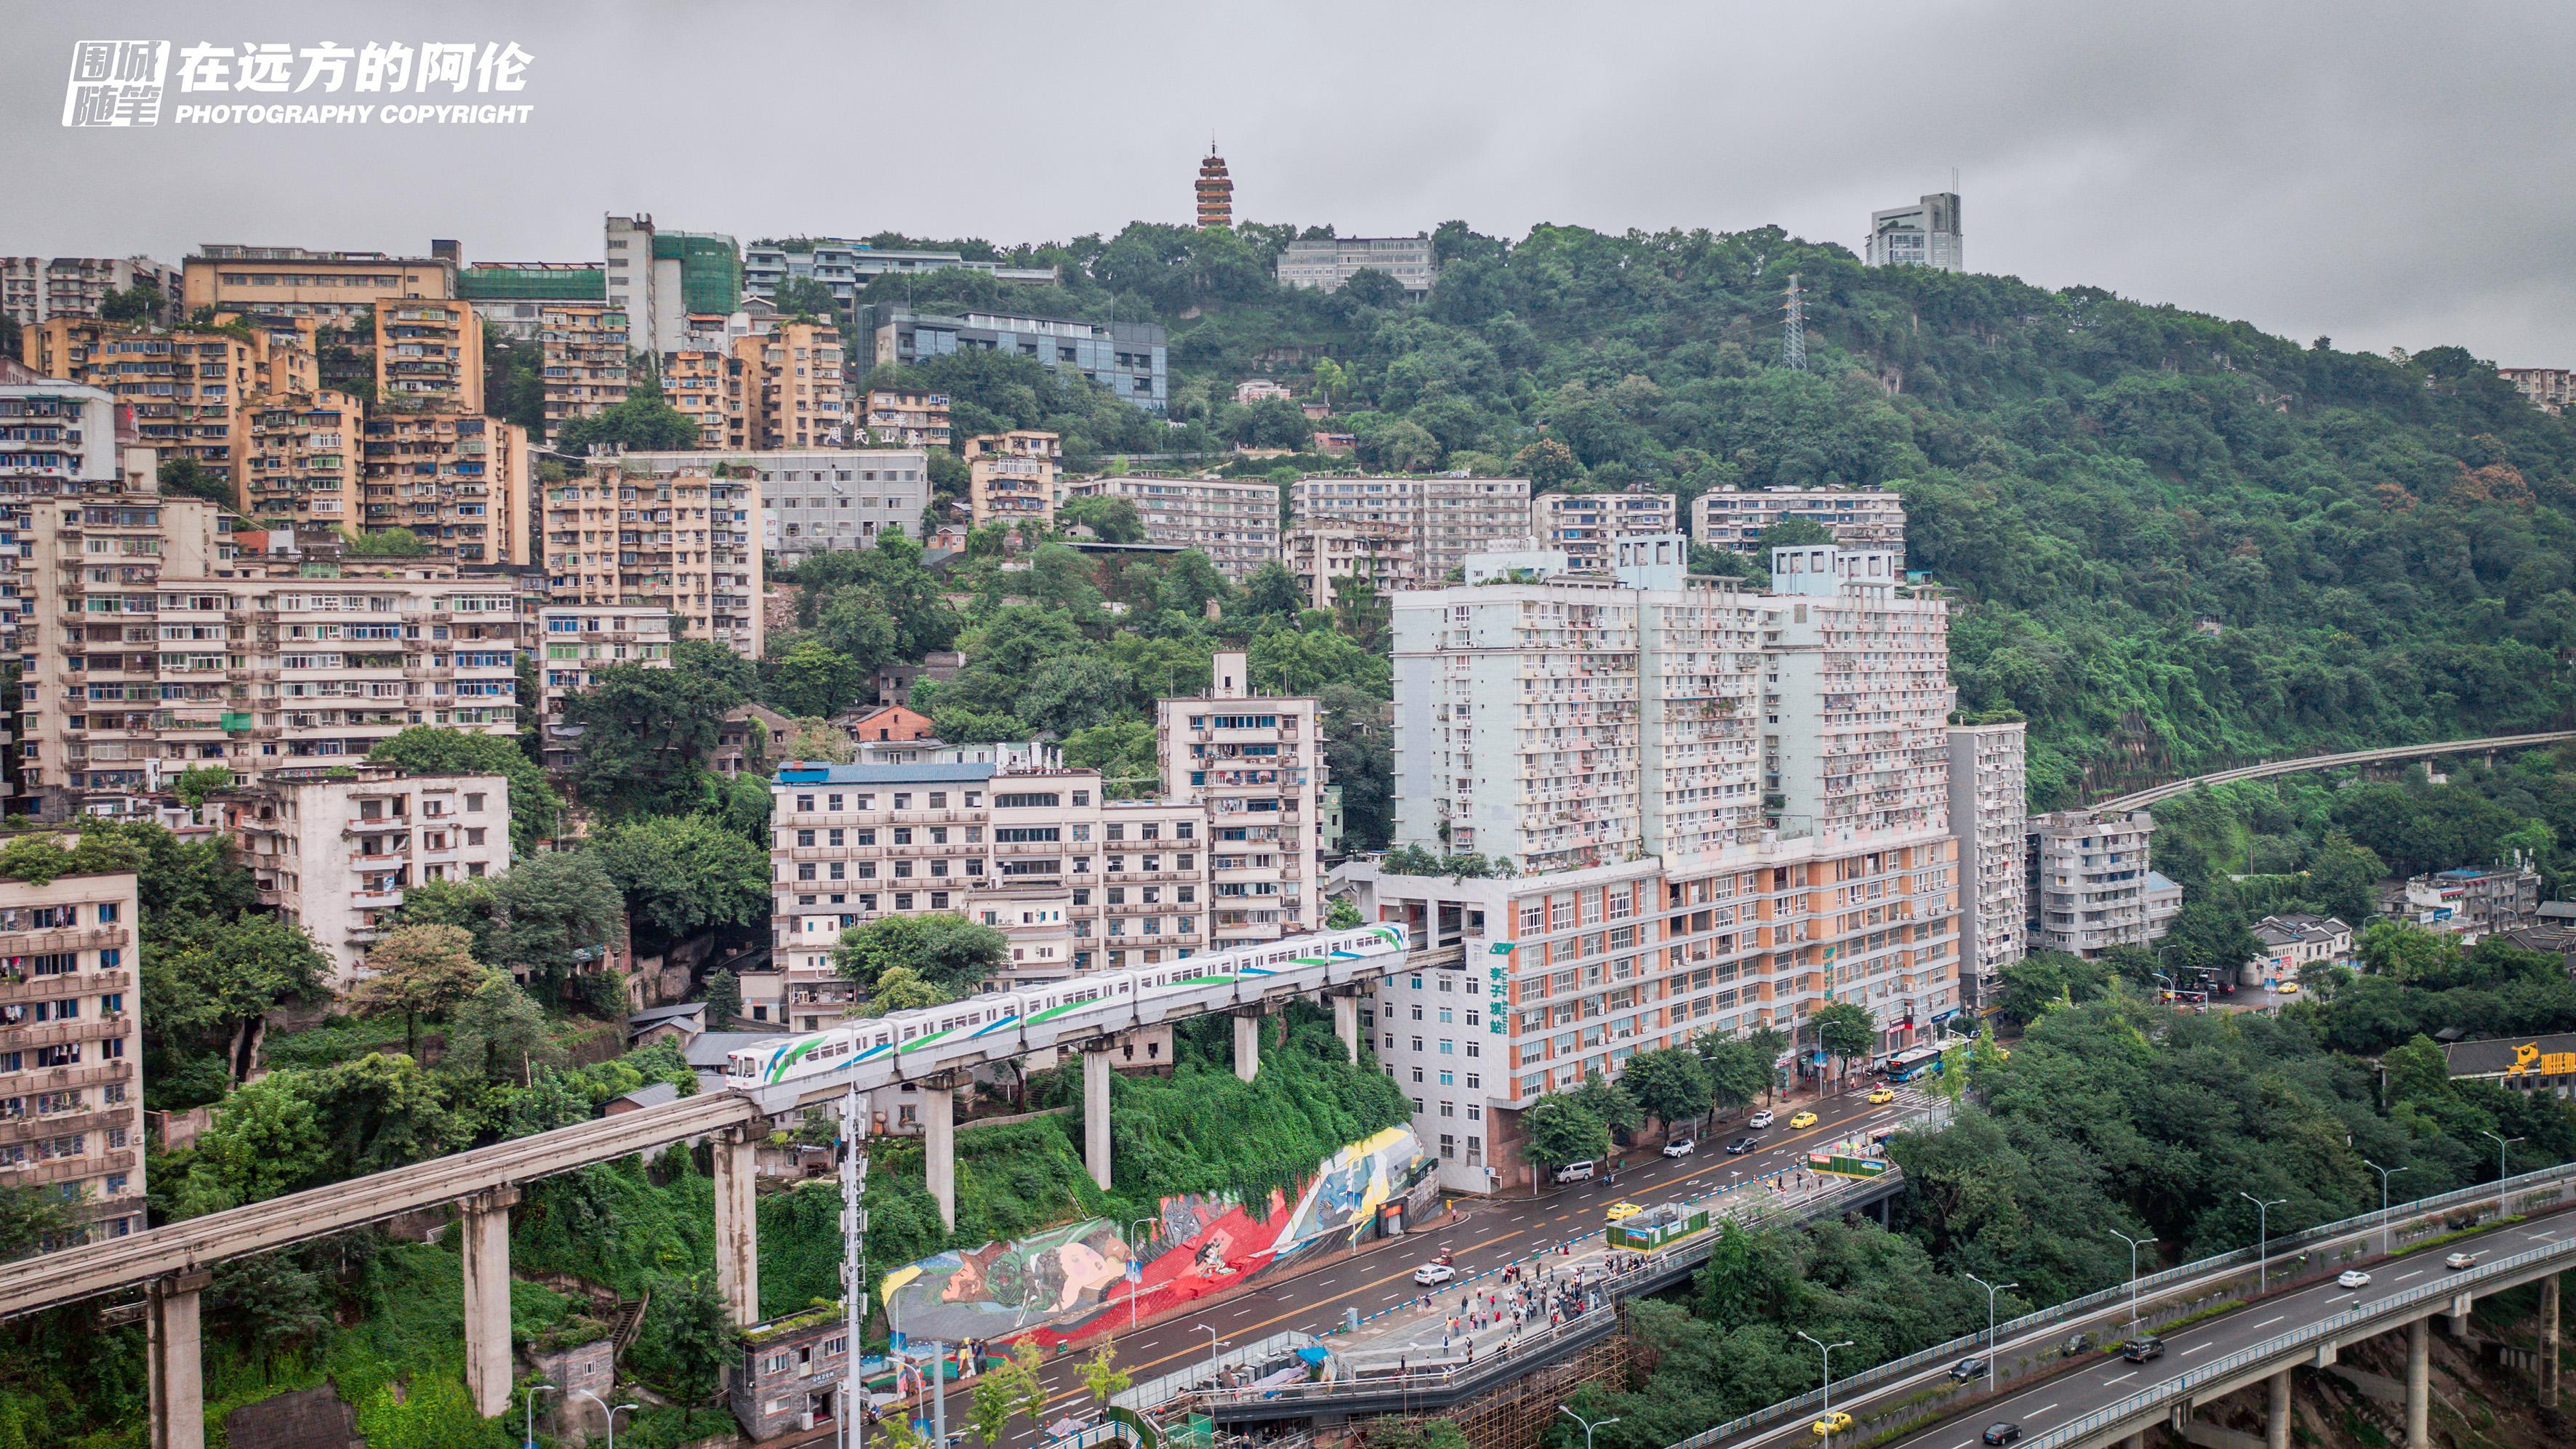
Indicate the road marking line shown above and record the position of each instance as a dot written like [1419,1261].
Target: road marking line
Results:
[2042,1409]
[2418,1273]
[2195,1348]
[2122,1379]
[2268,1322]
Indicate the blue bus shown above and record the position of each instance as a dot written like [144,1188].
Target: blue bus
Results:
[1906,1066]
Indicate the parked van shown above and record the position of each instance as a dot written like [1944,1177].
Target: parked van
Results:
[1577,1171]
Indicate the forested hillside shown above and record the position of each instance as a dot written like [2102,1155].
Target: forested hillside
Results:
[2175,541]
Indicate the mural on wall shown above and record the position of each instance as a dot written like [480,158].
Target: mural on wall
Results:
[1068,1281]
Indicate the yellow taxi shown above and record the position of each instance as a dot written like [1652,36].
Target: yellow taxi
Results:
[1834,1423]
[1882,1096]
[2286,988]
[1803,1119]
[1620,1210]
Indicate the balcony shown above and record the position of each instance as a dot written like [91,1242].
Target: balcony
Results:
[69,1169]
[69,983]
[95,1119]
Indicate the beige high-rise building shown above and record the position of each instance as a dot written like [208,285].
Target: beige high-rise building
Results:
[33,289]
[71,1051]
[1447,518]
[191,655]
[461,482]
[1856,696]
[1075,881]
[335,856]
[583,348]
[300,466]
[686,541]
[1583,526]
[903,418]
[1256,763]
[2089,885]
[574,643]
[1858,518]
[429,355]
[794,395]
[334,288]
[1235,522]
[1988,789]
[1011,477]
[708,386]
[191,392]
[1327,556]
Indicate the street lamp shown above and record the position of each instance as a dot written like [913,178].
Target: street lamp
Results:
[533,1390]
[2134,1245]
[2500,1143]
[1588,1424]
[1828,1417]
[1214,1343]
[1991,1290]
[2262,1238]
[607,1413]
[2383,1199]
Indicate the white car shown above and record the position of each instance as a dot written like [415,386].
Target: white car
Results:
[1683,1148]
[2457,1261]
[1432,1275]
[1759,1119]
[2352,1278]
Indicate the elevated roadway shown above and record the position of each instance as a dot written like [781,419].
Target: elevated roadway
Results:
[2140,799]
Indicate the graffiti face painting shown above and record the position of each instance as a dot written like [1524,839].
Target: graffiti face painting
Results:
[1052,1286]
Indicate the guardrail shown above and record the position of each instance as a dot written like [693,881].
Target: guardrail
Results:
[1650,1271]
[1155,1392]
[2121,1293]
[2295,1339]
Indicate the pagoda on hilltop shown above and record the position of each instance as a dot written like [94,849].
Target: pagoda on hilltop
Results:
[1216,191]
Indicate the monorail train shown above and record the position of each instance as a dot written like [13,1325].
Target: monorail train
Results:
[997,1025]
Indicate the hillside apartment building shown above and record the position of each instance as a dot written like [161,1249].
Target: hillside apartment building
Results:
[71,1051]
[34,289]
[573,644]
[1988,788]
[1235,522]
[1858,518]
[1444,518]
[648,530]
[1583,526]
[1725,810]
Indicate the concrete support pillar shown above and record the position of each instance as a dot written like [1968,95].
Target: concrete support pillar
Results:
[1095,1112]
[178,1367]
[2137,1440]
[2419,1384]
[488,1370]
[2276,1424]
[2549,1342]
[738,1225]
[1247,1045]
[939,1147]
[1346,1025]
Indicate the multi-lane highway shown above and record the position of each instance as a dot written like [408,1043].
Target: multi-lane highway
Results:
[1480,1236]
[2106,1379]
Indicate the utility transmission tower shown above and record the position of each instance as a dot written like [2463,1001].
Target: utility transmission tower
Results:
[1793,331]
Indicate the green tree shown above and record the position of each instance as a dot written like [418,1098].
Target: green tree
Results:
[558,912]
[499,1035]
[198,782]
[1110,519]
[1328,376]
[697,1338]
[1125,752]
[428,750]
[812,680]
[29,1216]
[647,733]
[902,988]
[384,543]
[1102,1376]
[1558,1129]
[1611,1101]
[1792,531]
[1028,1392]
[266,1139]
[212,977]
[1271,592]
[1341,915]
[1548,464]
[990,1416]
[1671,1084]
[1845,1029]
[418,971]
[138,303]
[724,1000]
[188,478]
[683,874]
[644,422]
[947,951]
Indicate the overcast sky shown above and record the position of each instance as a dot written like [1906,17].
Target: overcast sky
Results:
[2385,174]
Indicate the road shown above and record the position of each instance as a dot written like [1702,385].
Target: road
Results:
[2140,799]
[2107,1379]
[1483,1235]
